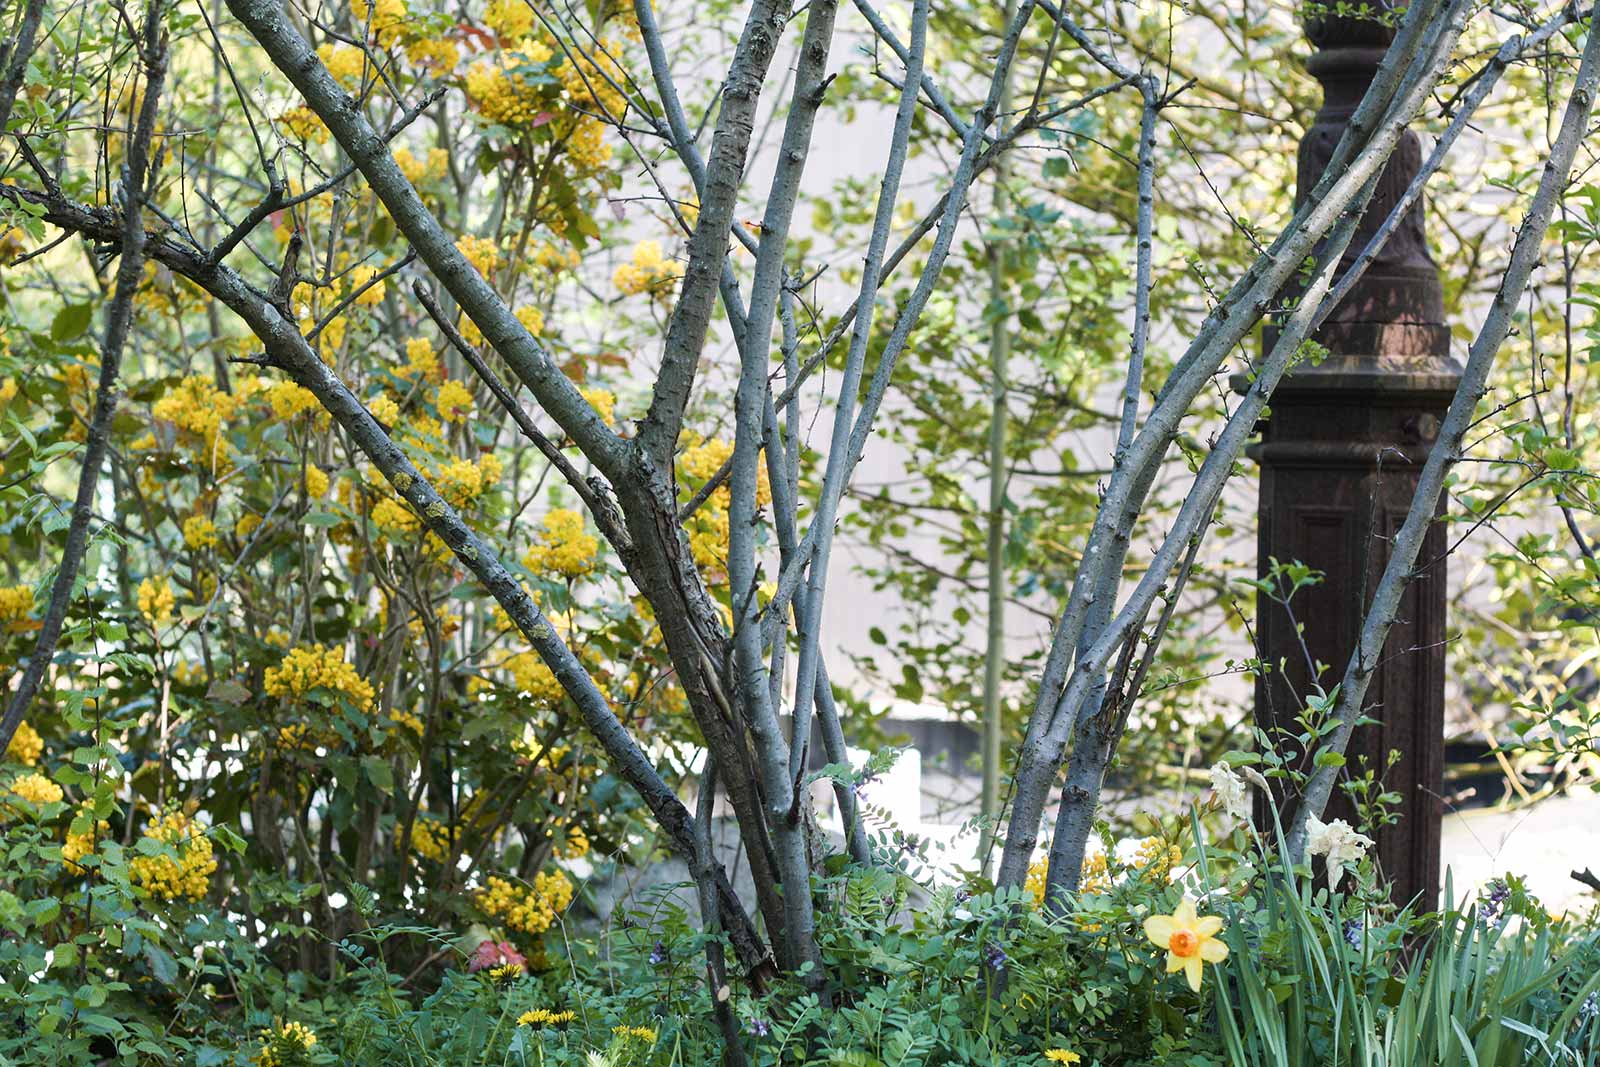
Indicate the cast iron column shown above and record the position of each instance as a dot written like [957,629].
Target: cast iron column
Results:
[1340,455]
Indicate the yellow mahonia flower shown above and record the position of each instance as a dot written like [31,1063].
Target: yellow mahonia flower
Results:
[504,94]
[345,62]
[647,272]
[530,675]
[421,360]
[246,525]
[16,602]
[200,532]
[528,909]
[434,165]
[310,667]
[482,252]
[604,402]
[285,1045]
[564,550]
[591,78]
[184,876]
[198,408]
[304,125]
[387,18]
[385,410]
[26,745]
[575,846]
[431,839]
[453,401]
[1157,858]
[708,533]
[81,843]
[393,516]
[532,319]
[288,400]
[555,260]
[587,147]
[438,52]
[1189,939]
[316,481]
[156,602]
[511,20]
[372,296]
[36,789]
[1093,879]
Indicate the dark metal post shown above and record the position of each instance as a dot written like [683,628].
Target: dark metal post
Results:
[1339,456]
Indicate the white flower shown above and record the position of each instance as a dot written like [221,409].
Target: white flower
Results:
[1338,841]
[1231,793]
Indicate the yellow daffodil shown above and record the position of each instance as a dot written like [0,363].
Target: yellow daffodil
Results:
[1190,940]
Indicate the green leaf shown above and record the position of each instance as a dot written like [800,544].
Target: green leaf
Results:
[71,321]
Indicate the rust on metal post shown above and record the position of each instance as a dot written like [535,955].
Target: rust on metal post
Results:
[1339,458]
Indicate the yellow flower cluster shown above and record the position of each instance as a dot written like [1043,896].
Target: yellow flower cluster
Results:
[387,18]
[288,400]
[186,876]
[310,667]
[384,409]
[1156,857]
[530,909]
[532,319]
[438,52]
[316,481]
[436,165]
[503,94]
[511,20]
[604,402]
[644,1034]
[1093,879]
[198,408]
[304,125]
[461,480]
[80,844]
[530,675]
[576,845]
[372,296]
[431,839]
[545,1017]
[200,532]
[36,789]
[482,253]
[564,550]
[16,602]
[285,1045]
[648,272]
[346,63]
[592,80]
[156,602]
[421,360]
[453,401]
[26,746]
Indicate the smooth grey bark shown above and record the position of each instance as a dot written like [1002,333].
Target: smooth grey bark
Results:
[708,246]
[1385,112]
